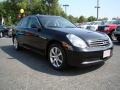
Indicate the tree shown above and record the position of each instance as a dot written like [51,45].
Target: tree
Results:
[91,18]
[10,9]
[81,19]
[72,19]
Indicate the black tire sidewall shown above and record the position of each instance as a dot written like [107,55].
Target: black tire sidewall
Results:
[118,39]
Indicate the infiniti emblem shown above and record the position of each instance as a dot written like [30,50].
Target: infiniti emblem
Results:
[104,42]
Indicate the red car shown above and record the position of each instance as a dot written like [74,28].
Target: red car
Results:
[109,28]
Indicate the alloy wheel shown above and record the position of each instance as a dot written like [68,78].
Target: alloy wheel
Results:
[113,36]
[56,57]
[1,34]
[15,43]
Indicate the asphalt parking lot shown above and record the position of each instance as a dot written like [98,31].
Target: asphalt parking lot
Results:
[25,70]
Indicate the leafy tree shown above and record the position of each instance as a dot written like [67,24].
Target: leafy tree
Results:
[91,18]
[72,19]
[63,14]
[81,19]
[10,10]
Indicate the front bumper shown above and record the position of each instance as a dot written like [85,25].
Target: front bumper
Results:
[86,57]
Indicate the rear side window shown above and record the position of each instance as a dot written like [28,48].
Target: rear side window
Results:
[33,20]
[20,22]
[23,22]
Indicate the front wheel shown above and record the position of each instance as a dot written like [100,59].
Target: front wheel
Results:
[56,56]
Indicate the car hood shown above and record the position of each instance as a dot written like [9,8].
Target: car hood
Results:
[83,33]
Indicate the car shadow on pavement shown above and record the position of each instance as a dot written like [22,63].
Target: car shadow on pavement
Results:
[39,63]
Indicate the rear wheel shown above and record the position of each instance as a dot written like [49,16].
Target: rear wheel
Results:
[16,44]
[112,36]
[118,39]
[1,34]
[56,56]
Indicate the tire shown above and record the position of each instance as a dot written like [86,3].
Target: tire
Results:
[16,44]
[112,36]
[57,57]
[1,34]
[118,39]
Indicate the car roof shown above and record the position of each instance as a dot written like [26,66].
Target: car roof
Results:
[39,15]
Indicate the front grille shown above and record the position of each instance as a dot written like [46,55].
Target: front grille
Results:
[99,43]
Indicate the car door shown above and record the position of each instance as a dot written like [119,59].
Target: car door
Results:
[37,38]
[21,30]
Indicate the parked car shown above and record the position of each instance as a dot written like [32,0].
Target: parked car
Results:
[10,28]
[117,33]
[109,28]
[94,25]
[61,41]
[84,25]
[3,30]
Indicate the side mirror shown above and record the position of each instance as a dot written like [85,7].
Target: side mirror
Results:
[34,26]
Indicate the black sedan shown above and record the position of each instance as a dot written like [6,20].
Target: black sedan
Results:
[62,42]
[117,33]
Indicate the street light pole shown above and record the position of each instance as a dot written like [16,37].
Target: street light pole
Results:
[66,5]
[97,9]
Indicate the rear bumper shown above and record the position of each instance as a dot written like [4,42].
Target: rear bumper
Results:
[81,58]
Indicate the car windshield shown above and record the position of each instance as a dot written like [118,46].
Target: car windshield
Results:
[98,23]
[56,22]
[111,22]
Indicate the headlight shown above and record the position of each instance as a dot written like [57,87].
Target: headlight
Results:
[76,41]
[109,39]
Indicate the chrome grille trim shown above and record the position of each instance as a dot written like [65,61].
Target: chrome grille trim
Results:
[99,43]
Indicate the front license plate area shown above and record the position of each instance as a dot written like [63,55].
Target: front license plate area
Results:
[106,53]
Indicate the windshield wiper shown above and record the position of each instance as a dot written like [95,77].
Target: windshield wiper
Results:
[69,27]
[54,26]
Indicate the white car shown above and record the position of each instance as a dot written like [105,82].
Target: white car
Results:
[84,25]
[94,25]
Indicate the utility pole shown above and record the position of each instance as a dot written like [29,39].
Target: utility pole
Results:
[66,5]
[97,7]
